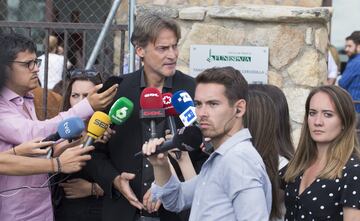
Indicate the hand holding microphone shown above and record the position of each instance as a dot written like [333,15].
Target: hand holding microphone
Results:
[67,129]
[97,125]
[186,139]
[31,148]
[119,112]
[74,158]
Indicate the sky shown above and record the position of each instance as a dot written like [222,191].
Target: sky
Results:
[346,19]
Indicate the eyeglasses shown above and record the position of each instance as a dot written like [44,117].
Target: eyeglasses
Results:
[75,73]
[29,64]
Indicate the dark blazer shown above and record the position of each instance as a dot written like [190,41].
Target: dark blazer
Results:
[117,155]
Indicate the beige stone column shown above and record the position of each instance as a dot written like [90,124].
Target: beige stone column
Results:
[297,38]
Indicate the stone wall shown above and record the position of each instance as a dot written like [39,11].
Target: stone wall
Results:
[297,39]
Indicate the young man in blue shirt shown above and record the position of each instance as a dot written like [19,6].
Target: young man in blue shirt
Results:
[233,183]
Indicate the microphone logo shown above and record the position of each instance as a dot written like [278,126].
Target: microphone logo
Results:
[184,97]
[166,99]
[121,113]
[151,95]
[188,117]
[66,128]
[153,113]
[101,124]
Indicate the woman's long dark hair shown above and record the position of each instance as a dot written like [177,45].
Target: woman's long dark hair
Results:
[261,120]
[283,129]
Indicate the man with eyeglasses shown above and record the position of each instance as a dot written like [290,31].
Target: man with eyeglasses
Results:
[20,124]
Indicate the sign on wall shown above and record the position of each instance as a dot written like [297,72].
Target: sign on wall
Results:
[252,62]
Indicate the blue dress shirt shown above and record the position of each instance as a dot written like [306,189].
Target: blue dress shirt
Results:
[232,185]
[350,79]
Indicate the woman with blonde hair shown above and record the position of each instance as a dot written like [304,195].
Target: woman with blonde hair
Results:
[321,181]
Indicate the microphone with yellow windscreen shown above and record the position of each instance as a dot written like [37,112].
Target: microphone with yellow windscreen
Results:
[97,126]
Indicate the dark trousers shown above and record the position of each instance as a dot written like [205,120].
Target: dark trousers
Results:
[146,218]
[79,211]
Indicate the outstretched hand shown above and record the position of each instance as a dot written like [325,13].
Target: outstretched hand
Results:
[122,184]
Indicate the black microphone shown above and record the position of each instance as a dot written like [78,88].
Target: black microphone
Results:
[186,139]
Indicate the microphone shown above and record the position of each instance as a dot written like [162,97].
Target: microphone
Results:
[97,126]
[186,139]
[169,112]
[67,129]
[121,110]
[184,105]
[151,107]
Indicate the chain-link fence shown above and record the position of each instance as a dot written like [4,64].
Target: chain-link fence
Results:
[68,29]
[76,24]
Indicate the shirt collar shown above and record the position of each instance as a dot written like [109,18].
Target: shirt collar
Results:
[354,56]
[10,95]
[168,83]
[240,136]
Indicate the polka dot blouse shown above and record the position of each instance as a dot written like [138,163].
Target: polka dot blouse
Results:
[324,199]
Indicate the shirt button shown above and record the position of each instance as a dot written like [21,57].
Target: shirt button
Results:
[145,184]
[203,183]
[146,165]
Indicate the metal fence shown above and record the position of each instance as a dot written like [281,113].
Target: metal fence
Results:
[76,24]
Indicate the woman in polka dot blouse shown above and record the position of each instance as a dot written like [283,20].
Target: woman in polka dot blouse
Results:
[321,182]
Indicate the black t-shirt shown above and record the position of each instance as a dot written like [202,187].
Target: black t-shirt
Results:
[324,199]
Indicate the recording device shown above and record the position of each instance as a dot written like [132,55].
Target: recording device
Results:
[97,126]
[186,139]
[170,113]
[121,110]
[184,106]
[110,82]
[67,129]
[151,107]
